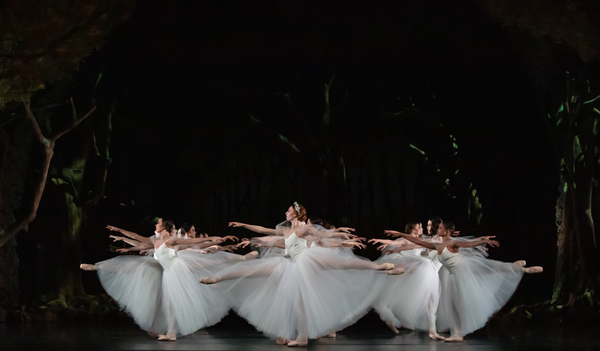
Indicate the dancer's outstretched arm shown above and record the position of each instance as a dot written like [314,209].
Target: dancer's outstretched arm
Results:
[132,235]
[187,242]
[138,247]
[308,230]
[254,228]
[492,243]
[414,240]
[125,240]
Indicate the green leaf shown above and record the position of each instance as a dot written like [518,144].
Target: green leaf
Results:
[290,144]
[592,100]
[416,148]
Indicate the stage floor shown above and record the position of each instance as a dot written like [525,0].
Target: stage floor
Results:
[49,336]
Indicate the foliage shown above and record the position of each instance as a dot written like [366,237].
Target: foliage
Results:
[42,42]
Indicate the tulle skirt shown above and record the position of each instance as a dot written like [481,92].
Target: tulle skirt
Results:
[411,299]
[165,301]
[473,291]
[318,291]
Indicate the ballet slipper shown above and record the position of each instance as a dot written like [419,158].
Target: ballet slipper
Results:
[392,327]
[395,271]
[330,335]
[436,336]
[297,343]
[88,267]
[385,267]
[249,256]
[454,338]
[166,338]
[211,280]
[532,270]
[281,341]
[521,263]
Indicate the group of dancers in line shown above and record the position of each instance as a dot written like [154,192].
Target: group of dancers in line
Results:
[306,283]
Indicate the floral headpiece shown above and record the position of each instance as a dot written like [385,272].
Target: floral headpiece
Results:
[297,207]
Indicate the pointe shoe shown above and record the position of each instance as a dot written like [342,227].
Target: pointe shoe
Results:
[330,335]
[88,267]
[298,343]
[436,336]
[249,256]
[281,341]
[395,271]
[392,327]
[454,338]
[207,280]
[532,270]
[385,267]
[521,263]
[166,338]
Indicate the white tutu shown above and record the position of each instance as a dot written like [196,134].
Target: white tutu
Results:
[315,291]
[164,295]
[473,290]
[410,300]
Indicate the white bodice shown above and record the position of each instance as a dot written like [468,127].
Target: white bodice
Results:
[449,259]
[165,255]
[435,259]
[295,245]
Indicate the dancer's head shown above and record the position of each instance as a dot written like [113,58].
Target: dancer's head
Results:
[296,211]
[442,230]
[433,224]
[412,228]
[319,221]
[450,227]
[164,225]
[188,229]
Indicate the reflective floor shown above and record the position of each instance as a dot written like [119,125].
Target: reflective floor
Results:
[235,334]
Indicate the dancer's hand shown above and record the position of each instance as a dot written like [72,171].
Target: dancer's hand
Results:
[493,243]
[391,233]
[113,229]
[355,244]
[375,241]
[236,224]
[346,230]
[358,239]
[230,237]
[484,238]
[122,250]
[243,243]
[382,247]
[456,233]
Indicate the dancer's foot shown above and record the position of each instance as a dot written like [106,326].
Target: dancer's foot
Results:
[385,267]
[298,342]
[532,270]
[212,280]
[88,267]
[249,256]
[454,338]
[166,338]
[281,341]
[153,335]
[395,271]
[330,335]
[435,336]
[520,263]
[392,327]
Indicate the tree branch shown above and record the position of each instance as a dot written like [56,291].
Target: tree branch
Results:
[75,122]
[36,126]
